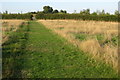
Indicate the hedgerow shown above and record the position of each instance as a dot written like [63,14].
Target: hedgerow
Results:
[63,16]
[16,16]
[78,17]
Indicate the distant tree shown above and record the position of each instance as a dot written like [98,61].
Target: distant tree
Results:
[33,12]
[88,11]
[85,12]
[55,11]
[6,12]
[94,13]
[75,11]
[107,13]
[81,12]
[102,12]
[47,9]
[39,12]
[63,11]
[116,12]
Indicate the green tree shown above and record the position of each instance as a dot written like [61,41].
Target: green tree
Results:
[47,9]
[107,13]
[85,12]
[63,11]
[102,12]
[88,11]
[116,12]
[55,11]
[94,13]
[6,12]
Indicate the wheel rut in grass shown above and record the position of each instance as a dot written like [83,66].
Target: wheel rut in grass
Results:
[51,56]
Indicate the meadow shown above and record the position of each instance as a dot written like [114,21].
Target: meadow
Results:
[9,26]
[13,39]
[57,44]
[58,49]
[98,38]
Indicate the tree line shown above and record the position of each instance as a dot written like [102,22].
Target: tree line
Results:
[78,17]
[49,13]
[16,16]
[48,9]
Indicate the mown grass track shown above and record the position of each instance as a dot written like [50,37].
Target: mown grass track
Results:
[50,56]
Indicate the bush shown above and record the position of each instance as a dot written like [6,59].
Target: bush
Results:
[78,17]
[16,16]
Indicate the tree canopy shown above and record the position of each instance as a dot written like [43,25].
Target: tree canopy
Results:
[56,11]
[85,12]
[47,9]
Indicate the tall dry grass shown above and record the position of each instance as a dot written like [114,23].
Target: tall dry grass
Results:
[99,50]
[8,26]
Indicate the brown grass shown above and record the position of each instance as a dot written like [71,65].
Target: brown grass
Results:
[9,26]
[67,29]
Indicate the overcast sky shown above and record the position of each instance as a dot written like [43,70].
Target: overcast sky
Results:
[15,6]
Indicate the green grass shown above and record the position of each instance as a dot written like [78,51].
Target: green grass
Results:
[12,51]
[81,36]
[115,40]
[100,37]
[36,52]
[50,56]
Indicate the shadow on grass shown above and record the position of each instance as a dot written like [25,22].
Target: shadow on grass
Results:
[12,52]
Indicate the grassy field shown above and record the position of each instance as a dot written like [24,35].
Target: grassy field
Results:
[12,50]
[7,38]
[9,26]
[98,38]
[34,51]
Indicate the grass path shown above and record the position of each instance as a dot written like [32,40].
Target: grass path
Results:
[50,56]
